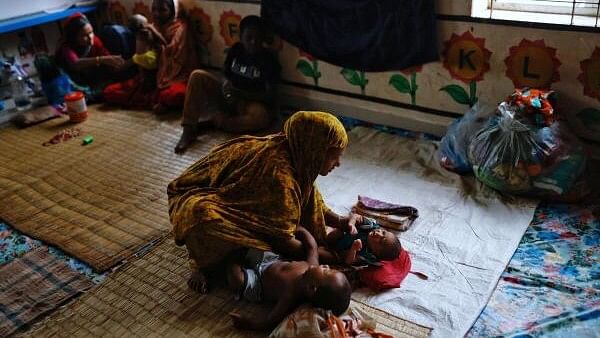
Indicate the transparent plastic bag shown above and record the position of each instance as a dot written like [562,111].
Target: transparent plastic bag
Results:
[562,175]
[454,146]
[511,155]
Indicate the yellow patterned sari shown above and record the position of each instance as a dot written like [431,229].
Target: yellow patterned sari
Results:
[251,191]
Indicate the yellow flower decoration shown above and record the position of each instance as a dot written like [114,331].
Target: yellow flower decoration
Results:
[590,73]
[201,24]
[532,64]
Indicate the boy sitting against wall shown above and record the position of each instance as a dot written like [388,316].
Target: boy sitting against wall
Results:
[245,100]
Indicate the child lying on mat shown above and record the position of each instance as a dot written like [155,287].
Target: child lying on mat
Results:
[264,276]
[364,242]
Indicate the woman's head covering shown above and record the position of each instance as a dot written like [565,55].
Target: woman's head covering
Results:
[253,190]
[310,135]
[72,26]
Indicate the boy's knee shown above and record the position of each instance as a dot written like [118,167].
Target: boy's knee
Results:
[197,73]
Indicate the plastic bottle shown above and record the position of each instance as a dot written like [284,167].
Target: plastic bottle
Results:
[20,93]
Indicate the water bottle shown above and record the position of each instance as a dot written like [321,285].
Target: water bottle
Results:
[20,93]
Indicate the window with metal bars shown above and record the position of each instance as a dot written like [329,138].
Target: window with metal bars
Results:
[565,12]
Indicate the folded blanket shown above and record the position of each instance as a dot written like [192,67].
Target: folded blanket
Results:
[393,216]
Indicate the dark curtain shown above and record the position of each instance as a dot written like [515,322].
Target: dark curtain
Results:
[367,35]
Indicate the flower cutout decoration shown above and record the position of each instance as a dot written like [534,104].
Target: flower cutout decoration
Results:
[117,13]
[532,64]
[590,73]
[466,57]
[467,60]
[230,27]
[201,24]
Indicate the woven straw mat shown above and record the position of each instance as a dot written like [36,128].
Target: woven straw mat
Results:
[149,297]
[99,202]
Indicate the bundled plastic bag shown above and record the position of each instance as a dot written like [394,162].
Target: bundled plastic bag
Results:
[454,146]
[562,173]
[512,154]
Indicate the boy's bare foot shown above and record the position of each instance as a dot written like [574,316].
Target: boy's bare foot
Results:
[198,282]
[353,251]
[187,138]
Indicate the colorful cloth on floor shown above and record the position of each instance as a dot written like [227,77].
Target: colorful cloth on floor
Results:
[552,285]
[13,244]
[132,93]
[253,190]
[34,284]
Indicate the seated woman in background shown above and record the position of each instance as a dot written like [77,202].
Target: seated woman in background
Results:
[176,60]
[83,57]
[246,99]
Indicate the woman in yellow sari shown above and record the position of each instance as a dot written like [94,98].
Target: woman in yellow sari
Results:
[254,191]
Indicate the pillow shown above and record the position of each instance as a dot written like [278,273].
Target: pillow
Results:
[387,276]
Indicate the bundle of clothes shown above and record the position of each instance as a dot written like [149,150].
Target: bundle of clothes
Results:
[519,147]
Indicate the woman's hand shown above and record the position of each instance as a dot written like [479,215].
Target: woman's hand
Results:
[113,61]
[353,219]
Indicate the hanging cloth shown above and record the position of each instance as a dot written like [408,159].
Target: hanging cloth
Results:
[366,35]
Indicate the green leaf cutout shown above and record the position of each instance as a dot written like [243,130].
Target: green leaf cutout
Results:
[351,76]
[400,83]
[457,93]
[305,68]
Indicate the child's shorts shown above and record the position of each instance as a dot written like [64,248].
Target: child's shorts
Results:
[255,264]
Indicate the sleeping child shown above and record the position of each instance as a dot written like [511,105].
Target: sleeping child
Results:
[264,276]
[369,244]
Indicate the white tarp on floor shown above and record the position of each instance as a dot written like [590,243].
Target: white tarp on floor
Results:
[463,239]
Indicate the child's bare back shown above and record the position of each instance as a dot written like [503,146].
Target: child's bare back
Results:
[281,279]
[263,276]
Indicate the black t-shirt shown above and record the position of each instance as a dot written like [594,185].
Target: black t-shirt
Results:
[251,72]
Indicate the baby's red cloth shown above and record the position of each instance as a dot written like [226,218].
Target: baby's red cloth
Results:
[387,276]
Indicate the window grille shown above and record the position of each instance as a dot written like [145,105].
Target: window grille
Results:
[565,12]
